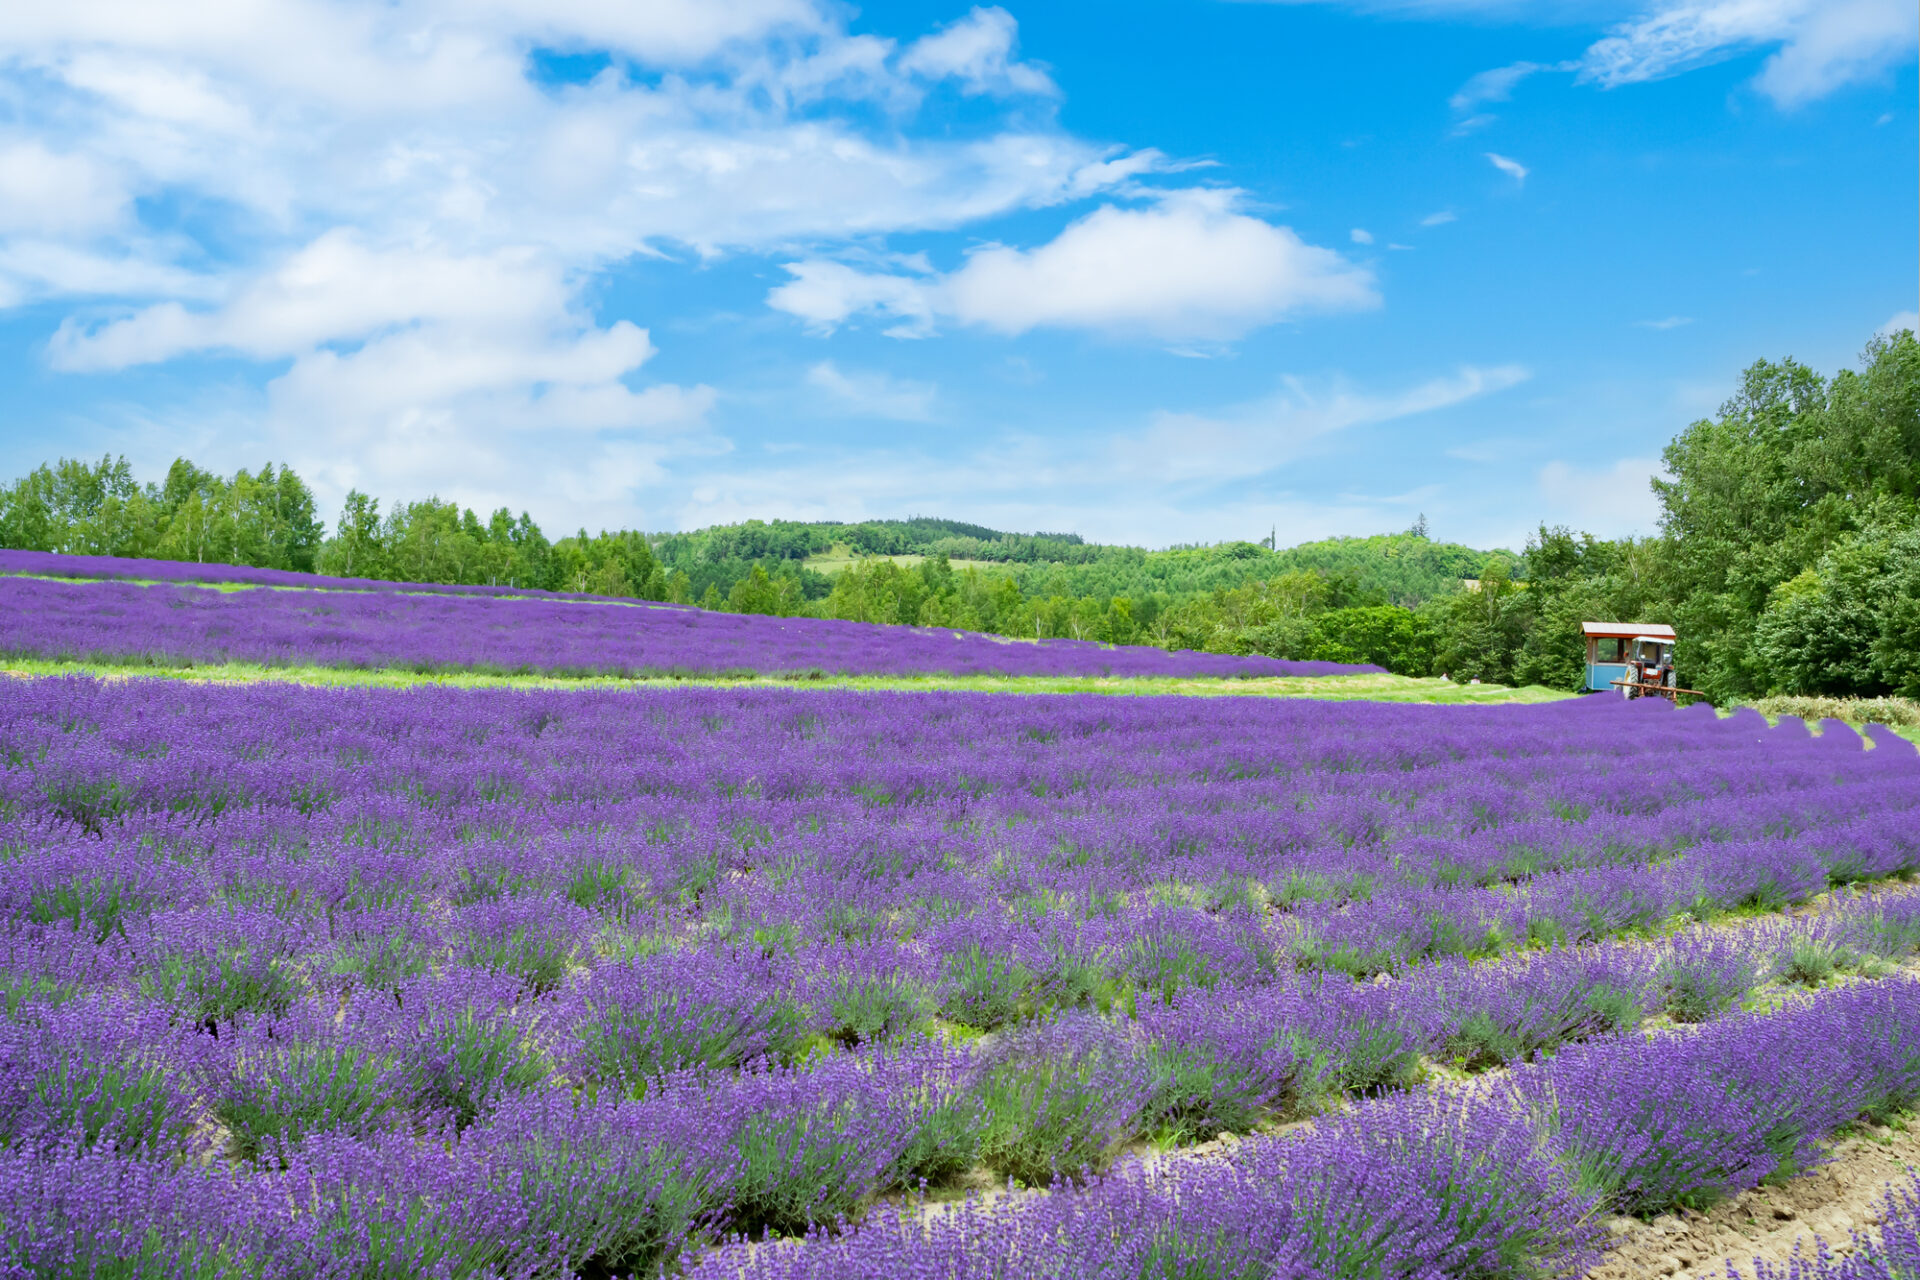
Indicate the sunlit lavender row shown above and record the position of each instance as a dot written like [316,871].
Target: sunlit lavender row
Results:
[173,625]
[631,972]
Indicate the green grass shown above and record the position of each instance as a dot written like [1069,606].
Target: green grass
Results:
[1911,732]
[839,557]
[1380,688]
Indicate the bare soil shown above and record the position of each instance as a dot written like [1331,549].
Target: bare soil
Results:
[1769,1222]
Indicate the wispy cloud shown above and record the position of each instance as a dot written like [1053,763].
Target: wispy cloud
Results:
[1819,46]
[875,395]
[1671,322]
[1612,500]
[1903,320]
[1440,219]
[1175,476]
[1494,85]
[1509,166]
[1360,235]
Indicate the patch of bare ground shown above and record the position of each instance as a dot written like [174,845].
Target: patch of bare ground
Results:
[1769,1222]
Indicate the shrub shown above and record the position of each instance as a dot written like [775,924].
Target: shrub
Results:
[1061,1097]
[672,1012]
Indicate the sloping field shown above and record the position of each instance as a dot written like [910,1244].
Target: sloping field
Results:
[48,564]
[529,983]
[120,622]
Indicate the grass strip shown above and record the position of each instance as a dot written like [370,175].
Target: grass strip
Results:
[1370,687]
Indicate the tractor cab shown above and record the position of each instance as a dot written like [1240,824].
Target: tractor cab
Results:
[1620,654]
[1649,663]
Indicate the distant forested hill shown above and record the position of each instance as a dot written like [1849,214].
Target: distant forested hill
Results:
[1405,568]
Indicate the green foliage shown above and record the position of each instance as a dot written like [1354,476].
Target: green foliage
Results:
[473,1061]
[90,1096]
[1848,626]
[265,518]
[1398,639]
[280,1094]
[1792,469]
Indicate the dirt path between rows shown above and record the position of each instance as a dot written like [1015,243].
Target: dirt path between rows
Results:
[1770,1222]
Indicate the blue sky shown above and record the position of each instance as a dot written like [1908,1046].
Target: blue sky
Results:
[1154,272]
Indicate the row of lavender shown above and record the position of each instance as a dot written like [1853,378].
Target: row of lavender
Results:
[147,1066]
[49,564]
[1499,1181]
[1035,852]
[427,911]
[122,622]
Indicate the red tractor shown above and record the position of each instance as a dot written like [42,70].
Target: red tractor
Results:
[1649,669]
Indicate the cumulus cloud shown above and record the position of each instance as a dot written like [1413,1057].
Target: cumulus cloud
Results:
[1190,267]
[1360,235]
[978,52]
[400,217]
[332,290]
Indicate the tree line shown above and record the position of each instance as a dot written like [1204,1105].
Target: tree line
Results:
[1788,558]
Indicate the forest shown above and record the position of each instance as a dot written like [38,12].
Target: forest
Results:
[1787,558]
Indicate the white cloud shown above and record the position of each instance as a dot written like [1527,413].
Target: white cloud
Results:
[1190,267]
[1509,166]
[1439,219]
[874,395]
[332,290]
[1610,501]
[42,192]
[1496,85]
[1819,45]
[1902,320]
[1360,235]
[1670,322]
[978,52]
[419,116]
[1186,447]
[386,199]
[1158,481]
[826,294]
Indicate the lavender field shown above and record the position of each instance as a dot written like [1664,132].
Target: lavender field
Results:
[171,625]
[50,564]
[434,982]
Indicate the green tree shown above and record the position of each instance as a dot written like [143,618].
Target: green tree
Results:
[1386,635]
[356,549]
[1844,626]
[1480,631]
[1793,465]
